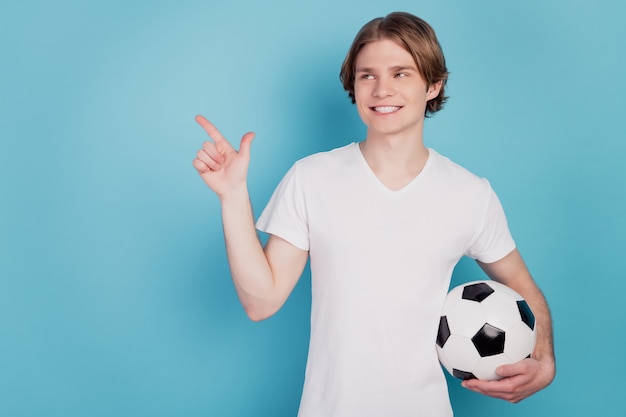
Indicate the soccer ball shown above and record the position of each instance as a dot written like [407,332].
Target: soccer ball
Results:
[484,324]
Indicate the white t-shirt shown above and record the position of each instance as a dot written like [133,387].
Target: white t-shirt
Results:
[381,263]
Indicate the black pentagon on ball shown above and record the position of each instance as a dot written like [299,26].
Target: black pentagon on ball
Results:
[526,313]
[477,292]
[489,340]
[462,374]
[444,331]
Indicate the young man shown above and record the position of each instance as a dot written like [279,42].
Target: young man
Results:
[384,222]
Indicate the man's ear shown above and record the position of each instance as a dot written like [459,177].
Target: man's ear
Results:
[433,90]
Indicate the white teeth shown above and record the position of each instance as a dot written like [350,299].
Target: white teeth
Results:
[386,109]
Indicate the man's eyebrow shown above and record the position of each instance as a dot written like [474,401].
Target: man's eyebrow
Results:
[403,68]
[395,68]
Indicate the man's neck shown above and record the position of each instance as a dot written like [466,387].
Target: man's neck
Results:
[396,160]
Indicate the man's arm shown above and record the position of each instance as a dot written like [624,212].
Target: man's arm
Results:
[524,378]
[263,278]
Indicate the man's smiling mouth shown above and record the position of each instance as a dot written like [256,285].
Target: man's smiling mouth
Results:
[386,109]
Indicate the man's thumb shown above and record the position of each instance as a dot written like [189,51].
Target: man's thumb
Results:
[246,141]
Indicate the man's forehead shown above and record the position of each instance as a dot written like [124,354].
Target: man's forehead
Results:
[388,50]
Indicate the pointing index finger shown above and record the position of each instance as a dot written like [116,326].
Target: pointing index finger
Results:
[212,131]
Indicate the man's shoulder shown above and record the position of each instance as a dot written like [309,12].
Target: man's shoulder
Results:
[336,156]
[455,174]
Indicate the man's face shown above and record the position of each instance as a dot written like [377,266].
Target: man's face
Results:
[389,91]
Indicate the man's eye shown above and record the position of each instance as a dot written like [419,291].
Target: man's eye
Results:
[367,77]
[401,75]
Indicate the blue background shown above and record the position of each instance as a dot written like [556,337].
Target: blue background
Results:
[115,296]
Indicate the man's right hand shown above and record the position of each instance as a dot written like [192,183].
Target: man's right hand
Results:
[221,167]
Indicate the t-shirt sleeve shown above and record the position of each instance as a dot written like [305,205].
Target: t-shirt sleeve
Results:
[285,215]
[493,240]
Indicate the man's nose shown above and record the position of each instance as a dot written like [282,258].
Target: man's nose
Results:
[384,87]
